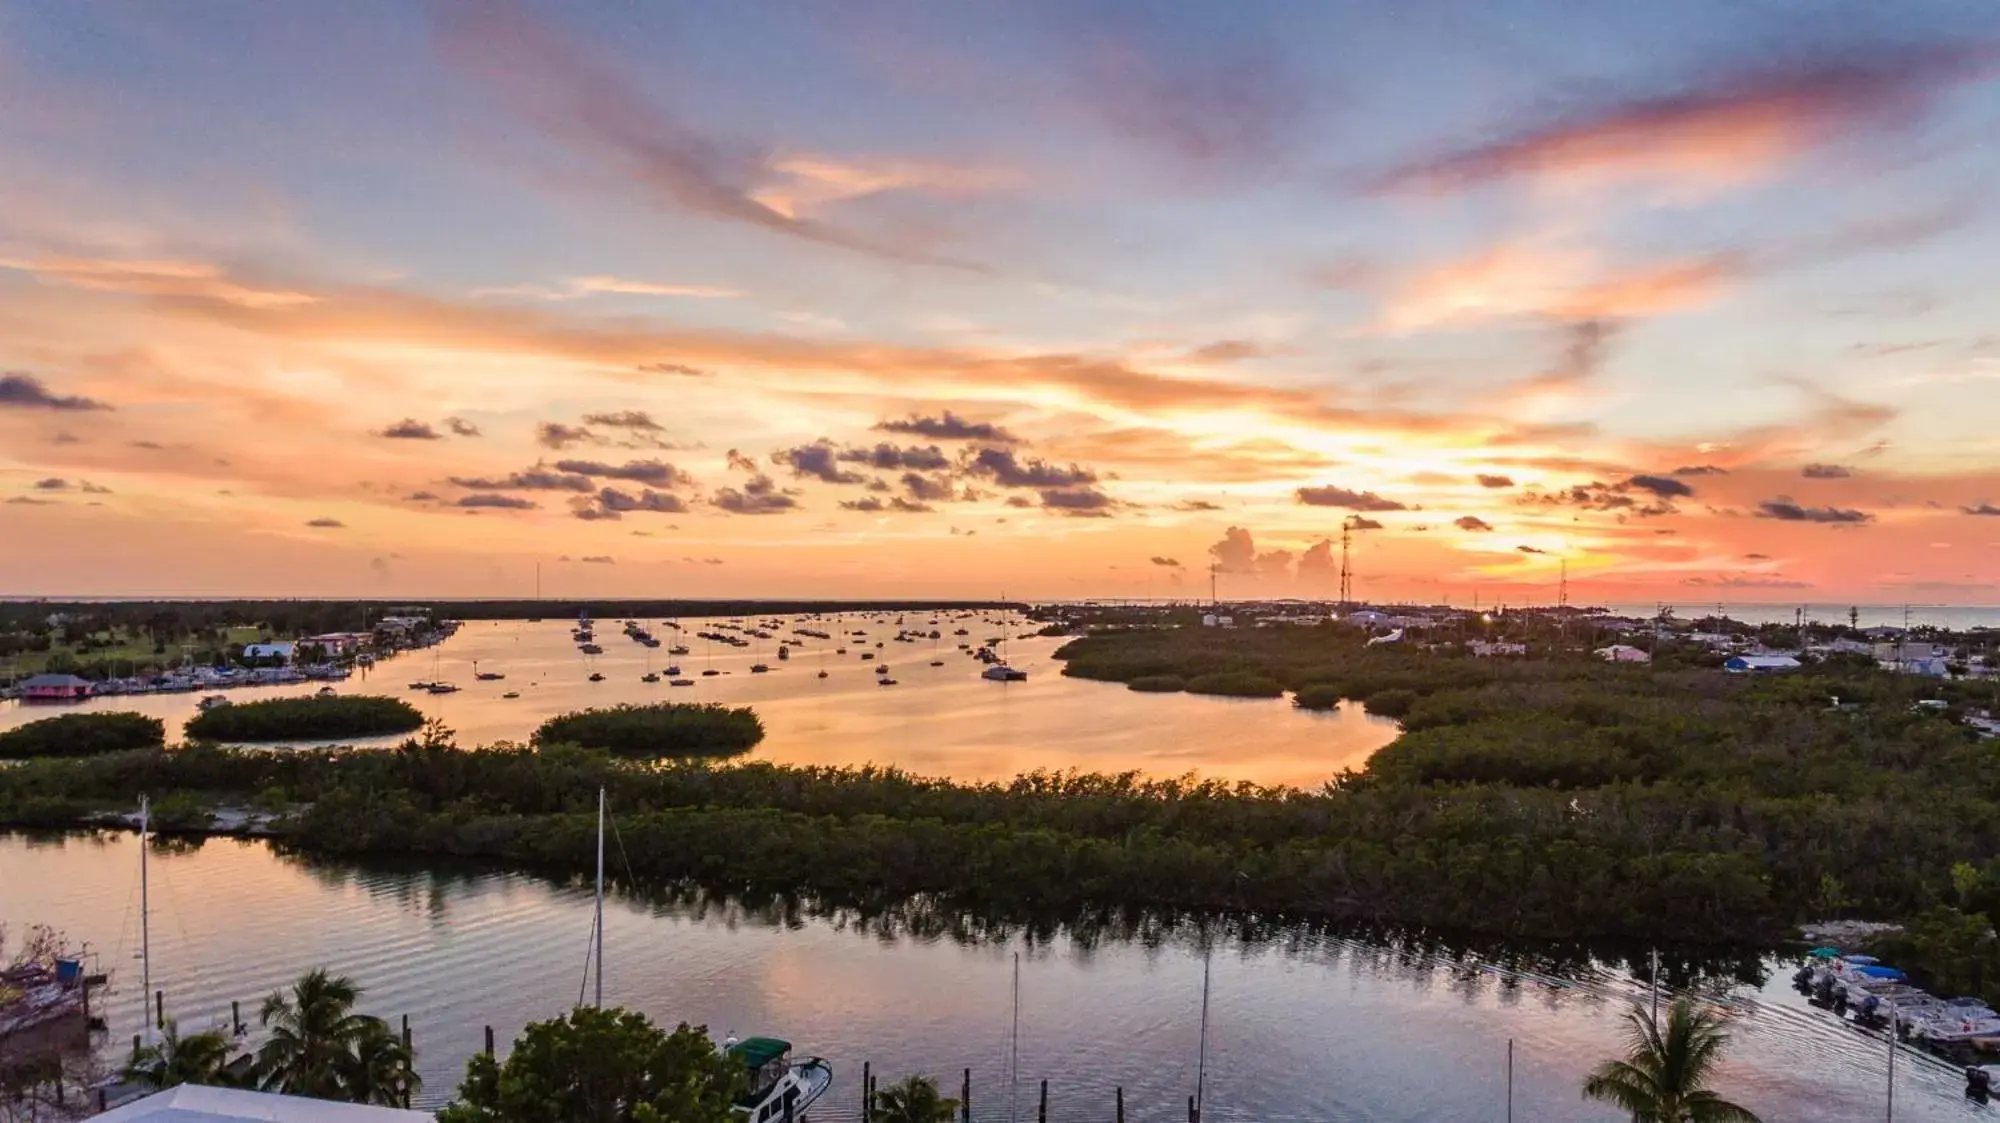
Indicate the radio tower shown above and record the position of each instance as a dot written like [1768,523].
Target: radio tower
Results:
[1346,570]
[1562,586]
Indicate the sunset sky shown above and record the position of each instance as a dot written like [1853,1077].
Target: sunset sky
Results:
[860,299]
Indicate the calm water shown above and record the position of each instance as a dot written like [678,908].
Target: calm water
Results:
[1302,1028]
[944,721]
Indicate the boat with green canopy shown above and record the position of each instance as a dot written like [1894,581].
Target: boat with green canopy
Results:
[780,1088]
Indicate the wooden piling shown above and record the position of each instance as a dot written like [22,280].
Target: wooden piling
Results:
[867,1093]
[1194,1115]
[1042,1115]
[489,1041]
[965,1097]
[1121,1103]
[409,1061]
[235,1017]
[159,1009]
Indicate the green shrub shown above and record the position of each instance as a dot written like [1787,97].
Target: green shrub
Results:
[1158,684]
[1392,702]
[1236,684]
[300,719]
[1318,696]
[665,729]
[82,735]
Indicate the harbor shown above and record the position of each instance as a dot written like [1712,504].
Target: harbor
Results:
[1306,1023]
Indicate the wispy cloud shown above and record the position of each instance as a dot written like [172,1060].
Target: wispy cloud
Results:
[587,105]
[1727,127]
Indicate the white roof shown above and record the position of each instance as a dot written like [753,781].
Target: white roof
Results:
[192,1103]
[1772,661]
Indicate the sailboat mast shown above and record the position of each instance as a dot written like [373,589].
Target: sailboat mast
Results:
[1014,1048]
[145,924]
[1201,1050]
[600,898]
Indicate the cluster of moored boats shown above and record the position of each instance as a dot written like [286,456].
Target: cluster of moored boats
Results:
[1878,996]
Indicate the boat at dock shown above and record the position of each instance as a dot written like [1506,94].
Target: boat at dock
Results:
[780,1088]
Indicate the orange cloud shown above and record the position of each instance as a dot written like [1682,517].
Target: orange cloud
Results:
[1736,128]
[1527,279]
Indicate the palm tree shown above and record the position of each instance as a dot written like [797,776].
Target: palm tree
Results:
[199,1058]
[1664,1076]
[915,1100]
[382,1071]
[314,1048]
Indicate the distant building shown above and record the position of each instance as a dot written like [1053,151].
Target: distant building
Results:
[280,650]
[1623,653]
[340,643]
[1367,618]
[1484,649]
[1759,664]
[1903,651]
[55,688]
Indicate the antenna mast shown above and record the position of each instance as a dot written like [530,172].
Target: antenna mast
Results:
[1346,569]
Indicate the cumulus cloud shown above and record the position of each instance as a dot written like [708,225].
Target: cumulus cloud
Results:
[1825,472]
[1079,502]
[410,429]
[1784,510]
[948,426]
[1197,505]
[1472,522]
[421,497]
[740,462]
[637,419]
[537,478]
[556,435]
[1666,487]
[1495,481]
[325,523]
[1236,553]
[460,427]
[680,370]
[1700,470]
[868,503]
[53,483]
[29,501]
[1986,509]
[928,489]
[1331,496]
[480,500]
[1360,522]
[598,559]
[612,499]
[819,460]
[655,472]
[1531,550]
[1006,469]
[758,496]
[888,457]
[1169,563]
[20,390]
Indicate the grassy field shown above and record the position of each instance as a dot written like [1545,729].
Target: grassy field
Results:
[127,646]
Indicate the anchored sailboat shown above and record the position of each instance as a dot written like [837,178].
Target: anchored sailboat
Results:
[780,1088]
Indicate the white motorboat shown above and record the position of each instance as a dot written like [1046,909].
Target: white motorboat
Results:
[1001,672]
[780,1088]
